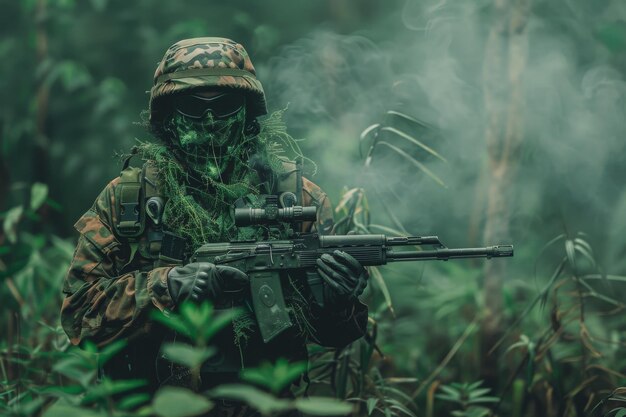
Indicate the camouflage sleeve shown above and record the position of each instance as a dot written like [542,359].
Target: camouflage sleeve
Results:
[101,303]
[312,195]
[334,327]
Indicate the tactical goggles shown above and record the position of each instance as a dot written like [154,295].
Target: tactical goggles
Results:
[221,106]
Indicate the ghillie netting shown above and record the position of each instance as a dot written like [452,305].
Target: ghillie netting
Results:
[203,168]
[201,177]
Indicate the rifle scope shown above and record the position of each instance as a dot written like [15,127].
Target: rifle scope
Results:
[273,214]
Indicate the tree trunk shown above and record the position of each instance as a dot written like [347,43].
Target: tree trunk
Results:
[505,60]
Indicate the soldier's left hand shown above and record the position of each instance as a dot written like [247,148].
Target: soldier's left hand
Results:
[344,276]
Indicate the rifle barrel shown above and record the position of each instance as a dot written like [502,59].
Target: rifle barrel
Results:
[499,251]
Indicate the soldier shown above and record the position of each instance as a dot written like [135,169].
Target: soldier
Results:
[211,153]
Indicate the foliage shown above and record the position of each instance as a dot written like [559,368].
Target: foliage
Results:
[470,397]
[275,377]
[73,84]
[267,404]
[202,213]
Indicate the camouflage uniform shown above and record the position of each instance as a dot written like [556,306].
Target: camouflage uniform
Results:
[113,285]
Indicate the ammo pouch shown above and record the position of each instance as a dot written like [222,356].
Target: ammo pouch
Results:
[130,203]
[135,190]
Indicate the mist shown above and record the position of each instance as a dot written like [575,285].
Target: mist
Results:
[483,122]
[569,174]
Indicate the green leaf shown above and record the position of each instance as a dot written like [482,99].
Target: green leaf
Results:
[63,409]
[451,392]
[484,400]
[621,412]
[478,392]
[415,162]
[477,412]
[187,355]
[173,322]
[133,401]
[323,406]
[107,388]
[571,254]
[397,393]
[274,377]
[398,406]
[380,281]
[218,321]
[414,141]
[196,315]
[77,369]
[474,385]
[67,392]
[197,322]
[111,350]
[371,405]
[11,220]
[38,195]
[259,400]
[179,402]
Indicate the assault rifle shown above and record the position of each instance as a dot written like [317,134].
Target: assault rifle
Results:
[265,261]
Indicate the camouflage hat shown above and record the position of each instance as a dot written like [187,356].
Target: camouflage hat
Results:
[200,63]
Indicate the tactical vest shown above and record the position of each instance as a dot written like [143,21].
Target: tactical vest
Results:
[140,205]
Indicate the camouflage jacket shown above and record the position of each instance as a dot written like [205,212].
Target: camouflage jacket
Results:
[111,288]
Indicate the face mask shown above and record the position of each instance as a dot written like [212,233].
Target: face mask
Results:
[211,120]
[208,144]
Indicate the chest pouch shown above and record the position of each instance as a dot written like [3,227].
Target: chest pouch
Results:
[129,195]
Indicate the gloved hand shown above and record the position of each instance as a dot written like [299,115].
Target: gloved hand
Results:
[344,276]
[200,281]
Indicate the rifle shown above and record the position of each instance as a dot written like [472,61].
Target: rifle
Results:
[264,261]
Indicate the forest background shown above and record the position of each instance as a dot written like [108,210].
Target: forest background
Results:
[482,122]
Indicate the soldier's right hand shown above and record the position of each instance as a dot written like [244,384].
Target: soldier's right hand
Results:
[200,281]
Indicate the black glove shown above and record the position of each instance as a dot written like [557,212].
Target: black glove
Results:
[200,281]
[344,276]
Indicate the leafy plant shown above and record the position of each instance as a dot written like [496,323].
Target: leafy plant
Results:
[274,377]
[470,397]
[199,323]
[269,405]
